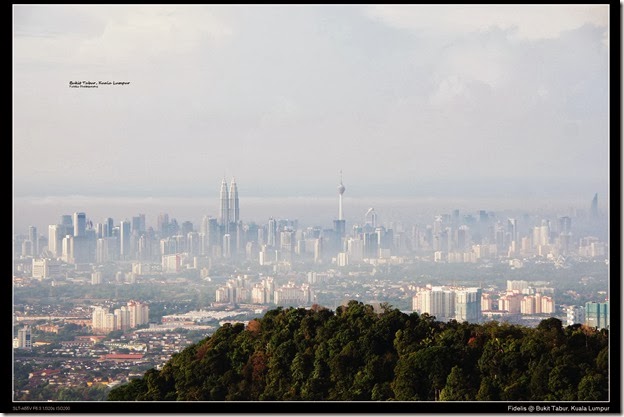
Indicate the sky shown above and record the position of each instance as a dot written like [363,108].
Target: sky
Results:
[404,100]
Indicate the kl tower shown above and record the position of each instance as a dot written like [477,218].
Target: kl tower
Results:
[339,225]
[341,190]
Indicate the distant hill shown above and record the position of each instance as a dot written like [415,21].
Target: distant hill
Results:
[358,354]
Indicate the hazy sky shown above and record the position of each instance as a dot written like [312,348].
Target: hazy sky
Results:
[402,99]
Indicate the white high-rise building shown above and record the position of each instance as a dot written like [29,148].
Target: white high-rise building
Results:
[54,239]
[224,217]
[468,305]
[24,338]
[449,303]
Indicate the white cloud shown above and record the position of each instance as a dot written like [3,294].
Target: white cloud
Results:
[126,34]
[530,22]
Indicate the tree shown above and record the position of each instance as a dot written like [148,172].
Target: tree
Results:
[593,387]
[456,387]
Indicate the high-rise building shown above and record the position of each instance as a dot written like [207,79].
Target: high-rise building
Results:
[138,223]
[370,218]
[163,224]
[435,301]
[139,313]
[24,338]
[107,230]
[124,241]
[227,246]
[272,233]
[512,230]
[594,206]
[67,222]
[33,236]
[224,216]
[80,224]
[468,305]
[234,216]
[597,314]
[54,239]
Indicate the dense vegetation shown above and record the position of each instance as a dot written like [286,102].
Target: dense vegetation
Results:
[357,354]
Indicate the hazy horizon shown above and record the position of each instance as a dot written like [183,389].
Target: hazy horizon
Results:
[308,210]
[474,103]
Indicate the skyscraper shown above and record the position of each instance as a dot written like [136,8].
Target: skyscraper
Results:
[107,230]
[33,236]
[234,215]
[597,314]
[272,233]
[594,206]
[80,224]
[54,239]
[124,241]
[224,217]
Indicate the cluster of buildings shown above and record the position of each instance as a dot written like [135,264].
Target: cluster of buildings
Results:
[521,298]
[171,247]
[449,303]
[243,289]
[126,317]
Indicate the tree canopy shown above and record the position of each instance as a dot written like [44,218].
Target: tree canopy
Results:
[357,354]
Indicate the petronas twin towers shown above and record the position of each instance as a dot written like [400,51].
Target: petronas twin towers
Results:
[229,205]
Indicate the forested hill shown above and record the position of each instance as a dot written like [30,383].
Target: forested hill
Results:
[356,354]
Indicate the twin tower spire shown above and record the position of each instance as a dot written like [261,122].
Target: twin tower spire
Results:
[229,204]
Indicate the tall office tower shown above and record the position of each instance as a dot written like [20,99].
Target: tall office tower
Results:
[203,236]
[597,314]
[545,232]
[227,246]
[33,236]
[80,224]
[594,206]
[512,230]
[272,233]
[318,250]
[233,207]
[225,207]
[138,224]
[213,234]
[163,224]
[124,240]
[462,238]
[54,239]
[67,225]
[186,228]
[565,225]
[565,234]
[107,230]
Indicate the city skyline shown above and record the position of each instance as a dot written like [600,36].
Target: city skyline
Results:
[311,211]
[416,101]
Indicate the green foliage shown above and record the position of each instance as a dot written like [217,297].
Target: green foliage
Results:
[357,354]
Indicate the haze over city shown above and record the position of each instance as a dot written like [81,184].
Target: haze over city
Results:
[265,203]
[422,102]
